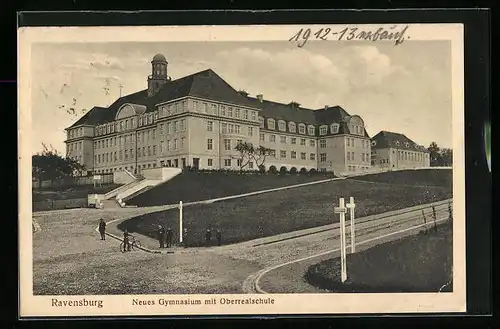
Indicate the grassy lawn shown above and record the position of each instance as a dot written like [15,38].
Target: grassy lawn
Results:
[75,192]
[419,263]
[195,186]
[424,177]
[284,211]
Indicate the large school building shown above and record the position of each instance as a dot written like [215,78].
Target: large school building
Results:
[197,121]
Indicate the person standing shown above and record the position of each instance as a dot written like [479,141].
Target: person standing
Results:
[184,237]
[102,229]
[126,243]
[208,236]
[218,235]
[169,237]
[161,236]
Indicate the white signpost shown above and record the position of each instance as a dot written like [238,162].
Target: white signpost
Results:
[341,210]
[351,205]
[180,221]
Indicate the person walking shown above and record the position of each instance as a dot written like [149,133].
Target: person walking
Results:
[218,235]
[161,236]
[208,236]
[102,229]
[169,237]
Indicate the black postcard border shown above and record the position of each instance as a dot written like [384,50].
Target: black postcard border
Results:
[477,112]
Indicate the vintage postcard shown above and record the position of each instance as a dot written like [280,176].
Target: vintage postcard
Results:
[240,170]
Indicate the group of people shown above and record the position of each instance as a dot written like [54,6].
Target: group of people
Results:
[208,236]
[165,236]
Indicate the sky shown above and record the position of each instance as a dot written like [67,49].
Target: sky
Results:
[404,88]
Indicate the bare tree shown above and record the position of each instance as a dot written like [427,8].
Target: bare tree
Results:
[245,153]
[260,154]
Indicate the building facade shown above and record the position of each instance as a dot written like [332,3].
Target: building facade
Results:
[199,119]
[396,151]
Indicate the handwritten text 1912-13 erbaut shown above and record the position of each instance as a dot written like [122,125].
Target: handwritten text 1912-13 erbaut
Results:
[393,33]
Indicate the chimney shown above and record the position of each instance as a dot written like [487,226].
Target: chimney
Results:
[294,104]
[326,107]
[243,93]
[260,97]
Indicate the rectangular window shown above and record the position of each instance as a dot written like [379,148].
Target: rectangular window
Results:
[183,142]
[294,140]
[227,162]
[262,137]
[250,131]
[254,115]
[229,111]
[222,110]
[205,107]
[322,130]
[310,131]
[154,149]
[283,139]
[261,122]
[210,126]
[161,147]
[302,155]
[149,150]
[169,145]
[214,108]
[245,114]
[273,153]
[250,165]
[161,129]
[312,143]
[237,113]
[237,129]
[176,126]
[183,125]
[322,157]
[230,128]
[238,162]
[195,105]
[293,155]
[227,144]
[272,138]
[176,145]
[281,126]
[303,142]
[210,144]
[312,156]
[322,143]
[210,162]
[282,154]
[154,134]
[348,156]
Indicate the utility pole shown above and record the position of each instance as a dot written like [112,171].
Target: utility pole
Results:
[120,86]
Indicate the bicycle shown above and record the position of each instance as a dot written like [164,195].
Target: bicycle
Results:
[133,243]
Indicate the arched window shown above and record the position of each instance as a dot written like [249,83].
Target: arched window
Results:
[334,128]
[323,130]
[302,128]
[270,124]
[292,127]
[282,125]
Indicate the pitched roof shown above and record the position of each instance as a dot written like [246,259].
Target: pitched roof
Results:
[206,84]
[93,117]
[386,139]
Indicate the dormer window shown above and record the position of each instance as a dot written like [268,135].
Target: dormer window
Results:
[261,122]
[397,143]
[292,127]
[323,130]
[302,128]
[310,130]
[374,143]
[270,124]
[281,125]
[407,144]
[334,128]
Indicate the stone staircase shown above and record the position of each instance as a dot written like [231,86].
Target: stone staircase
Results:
[110,204]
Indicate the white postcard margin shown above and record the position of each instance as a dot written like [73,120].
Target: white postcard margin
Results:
[40,306]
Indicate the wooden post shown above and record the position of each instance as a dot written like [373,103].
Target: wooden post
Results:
[341,210]
[425,220]
[351,205]
[180,221]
